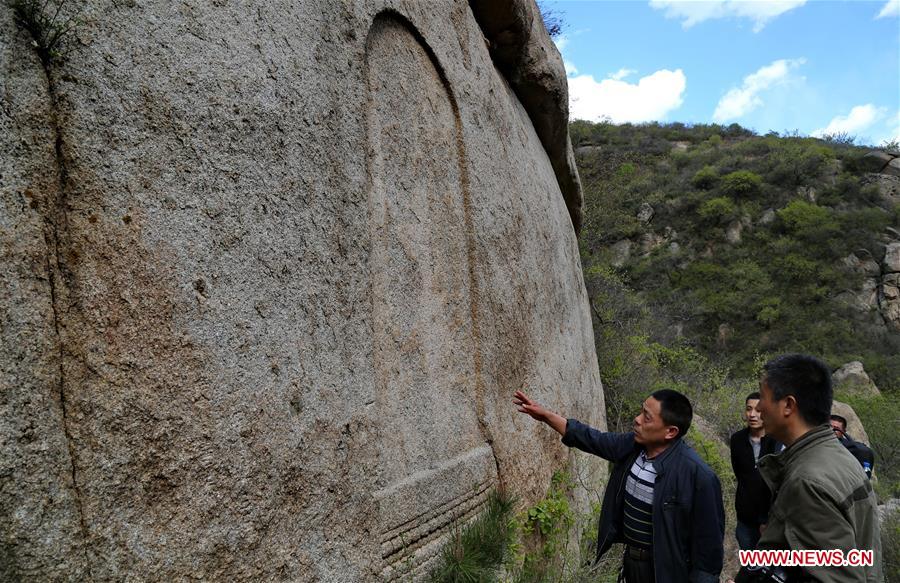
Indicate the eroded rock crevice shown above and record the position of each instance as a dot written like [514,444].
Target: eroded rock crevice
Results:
[53,212]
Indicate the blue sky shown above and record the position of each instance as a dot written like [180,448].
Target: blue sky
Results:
[815,66]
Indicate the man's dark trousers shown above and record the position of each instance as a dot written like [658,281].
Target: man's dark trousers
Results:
[637,566]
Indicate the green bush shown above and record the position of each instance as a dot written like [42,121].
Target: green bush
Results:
[708,450]
[813,223]
[705,178]
[741,183]
[718,210]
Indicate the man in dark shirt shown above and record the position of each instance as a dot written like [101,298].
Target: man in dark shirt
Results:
[860,451]
[753,497]
[661,500]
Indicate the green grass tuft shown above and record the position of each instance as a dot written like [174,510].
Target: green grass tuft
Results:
[475,553]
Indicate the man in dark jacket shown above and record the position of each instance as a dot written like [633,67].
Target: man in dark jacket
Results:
[753,497]
[860,451]
[661,500]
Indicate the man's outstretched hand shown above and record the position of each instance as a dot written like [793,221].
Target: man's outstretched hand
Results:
[529,407]
[536,411]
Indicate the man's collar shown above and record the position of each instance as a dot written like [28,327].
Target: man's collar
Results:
[772,466]
[659,462]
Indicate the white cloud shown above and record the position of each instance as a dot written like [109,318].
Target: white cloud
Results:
[571,69]
[860,118]
[740,101]
[622,73]
[891,8]
[651,98]
[692,12]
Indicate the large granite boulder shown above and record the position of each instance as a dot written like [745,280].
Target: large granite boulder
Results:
[853,378]
[271,273]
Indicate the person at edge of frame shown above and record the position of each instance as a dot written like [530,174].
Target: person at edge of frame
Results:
[823,500]
[859,450]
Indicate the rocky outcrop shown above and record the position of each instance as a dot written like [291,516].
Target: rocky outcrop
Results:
[645,213]
[524,53]
[767,217]
[620,252]
[883,170]
[879,290]
[269,276]
[733,232]
[865,298]
[889,291]
[852,378]
[875,161]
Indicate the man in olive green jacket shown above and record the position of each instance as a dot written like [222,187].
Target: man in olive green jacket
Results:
[823,500]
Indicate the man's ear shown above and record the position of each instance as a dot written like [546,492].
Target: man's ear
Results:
[790,406]
[671,432]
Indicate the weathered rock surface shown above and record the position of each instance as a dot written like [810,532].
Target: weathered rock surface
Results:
[41,529]
[527,57]
[807,192]
[733,232]
[767,217]
[853,378]
[888,186]
[880,286]
[855,427]
[891,260]
[889,291]
[645,213]
[892,168]
[875,161]
[270,276]
[621,252]
[864,299]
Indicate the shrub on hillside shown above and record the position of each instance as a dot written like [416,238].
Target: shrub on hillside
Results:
[741,183]
[718,210]
[705,178]
[810,222]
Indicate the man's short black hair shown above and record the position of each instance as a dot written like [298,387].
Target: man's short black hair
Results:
[751,396]
[807,379]
[841,419]
[675,409]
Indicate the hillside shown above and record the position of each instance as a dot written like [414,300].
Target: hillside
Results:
[745,245]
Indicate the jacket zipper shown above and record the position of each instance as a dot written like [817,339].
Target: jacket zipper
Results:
[618,491]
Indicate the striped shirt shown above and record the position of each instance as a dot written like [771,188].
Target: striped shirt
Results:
[638,514]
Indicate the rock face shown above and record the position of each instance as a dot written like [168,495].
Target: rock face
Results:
[884,172]
[645,213]
[865,298]
[889,292]
[852,377]
[880,287]
[270,277]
